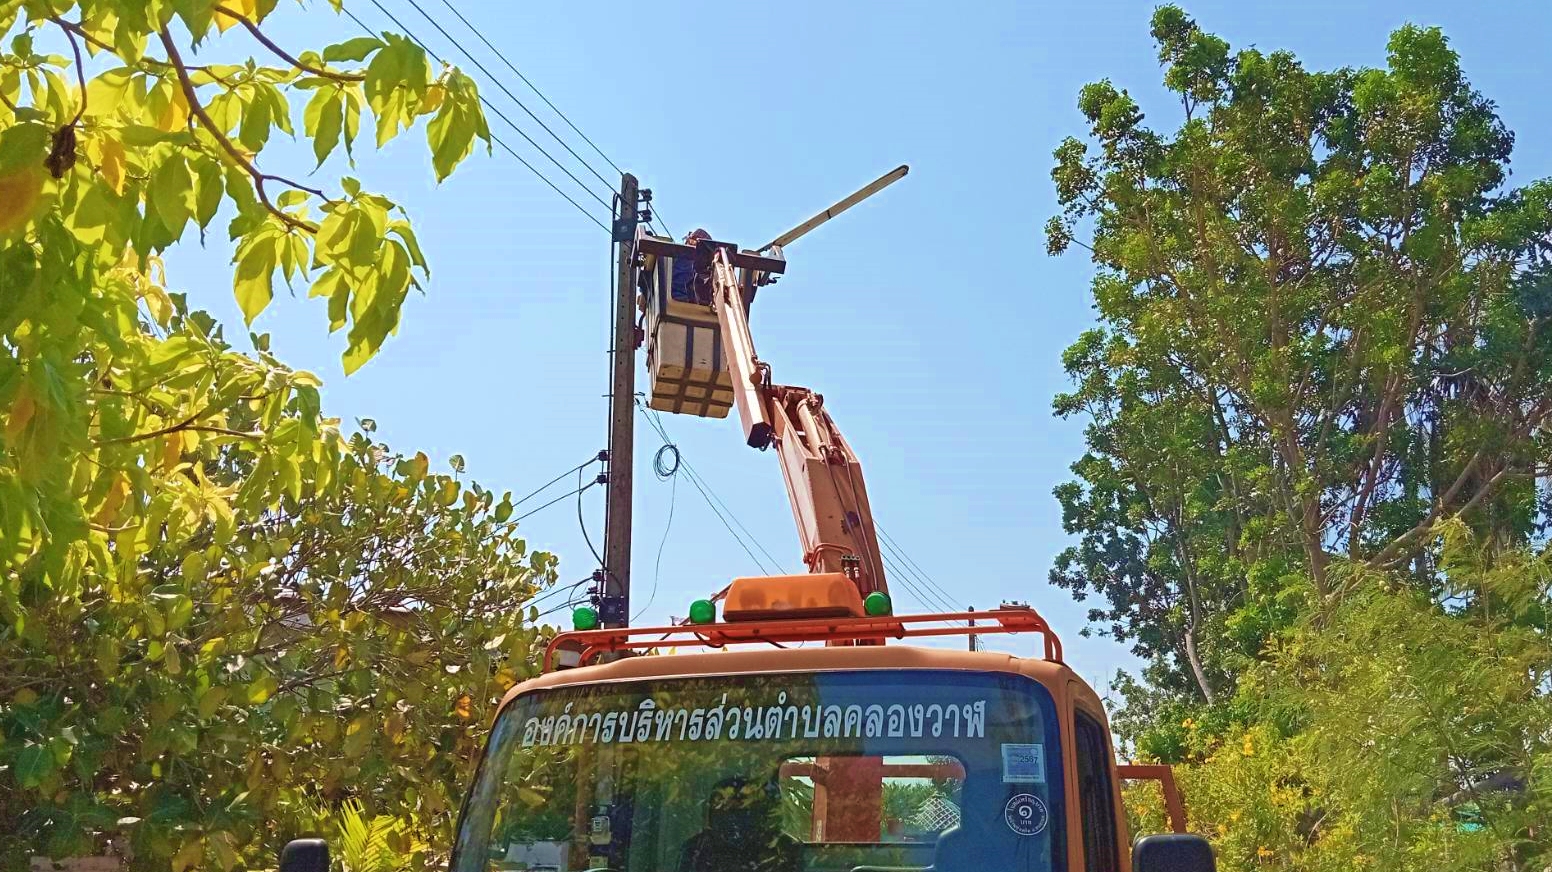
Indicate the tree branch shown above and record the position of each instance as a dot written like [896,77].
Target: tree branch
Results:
[282,53]
[185,424]
[1392,554]
[80,31]
[110,530]
[308,680]
[1371,474]
[205,428]
[210,126]
[80,74]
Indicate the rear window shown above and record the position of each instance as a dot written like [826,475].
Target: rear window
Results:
[789,772]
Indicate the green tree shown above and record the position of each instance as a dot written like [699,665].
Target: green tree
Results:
[1317,408]
[217,611]
[1396,734]
[1324,322]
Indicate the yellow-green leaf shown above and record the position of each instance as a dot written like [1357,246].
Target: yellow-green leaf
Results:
[254,280]
[210,701]
[172,193]
[262,688]
[459,120]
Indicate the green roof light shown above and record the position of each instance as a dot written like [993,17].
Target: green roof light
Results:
[877,604]
[584,618]
[702,612]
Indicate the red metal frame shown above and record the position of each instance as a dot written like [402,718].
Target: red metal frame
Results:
[1008,619]
[1174,805]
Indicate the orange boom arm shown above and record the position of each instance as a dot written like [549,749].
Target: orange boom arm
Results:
[823,476]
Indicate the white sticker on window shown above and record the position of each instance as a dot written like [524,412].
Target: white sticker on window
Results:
[1026,815]
[1023,764]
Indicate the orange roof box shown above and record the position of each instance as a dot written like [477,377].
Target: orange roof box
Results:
[820,595]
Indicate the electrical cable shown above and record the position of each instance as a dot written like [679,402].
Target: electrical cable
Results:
[531,85]
[554,590]
[656,420]
[657,219]
[920,573]
[569,604]
[660,468]
[583,524]
[669,474]
[928,594]
[576,493]
[473,60]
[695,476]
[702,489]
[504,90]
[494,138]
[713,502]
[904,578]
[488,105]
[583,465]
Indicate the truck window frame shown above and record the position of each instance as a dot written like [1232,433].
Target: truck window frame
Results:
[1094,781]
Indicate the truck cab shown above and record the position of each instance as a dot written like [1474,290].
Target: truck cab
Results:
[846,756]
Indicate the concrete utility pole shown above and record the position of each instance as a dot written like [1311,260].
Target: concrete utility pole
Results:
[614,610]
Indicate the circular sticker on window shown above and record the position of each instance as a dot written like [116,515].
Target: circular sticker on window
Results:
[1026,815]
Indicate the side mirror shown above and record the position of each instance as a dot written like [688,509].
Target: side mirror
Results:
[1171,853]
[305,855]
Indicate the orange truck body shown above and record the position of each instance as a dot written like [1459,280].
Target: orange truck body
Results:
[1070,692]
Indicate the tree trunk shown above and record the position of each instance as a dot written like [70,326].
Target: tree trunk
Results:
[1196,664]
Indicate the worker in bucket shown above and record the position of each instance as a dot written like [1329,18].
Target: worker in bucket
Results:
[684,270]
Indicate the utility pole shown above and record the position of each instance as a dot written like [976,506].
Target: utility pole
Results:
[973,636]
[614,605]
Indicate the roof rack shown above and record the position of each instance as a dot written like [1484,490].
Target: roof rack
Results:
[1007,619]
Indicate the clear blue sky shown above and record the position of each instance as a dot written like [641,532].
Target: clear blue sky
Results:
[930,318]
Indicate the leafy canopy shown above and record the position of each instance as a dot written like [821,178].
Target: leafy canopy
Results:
[218,611]
[1324,324]
[1317,406]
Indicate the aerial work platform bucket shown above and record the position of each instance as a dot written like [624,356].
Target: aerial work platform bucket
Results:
[686,364]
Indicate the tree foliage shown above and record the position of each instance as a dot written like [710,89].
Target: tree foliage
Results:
[1324,329]
[1320,376]
[1397,734]
[217,611]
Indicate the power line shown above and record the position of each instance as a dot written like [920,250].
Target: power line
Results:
[905,568]
[569,603]
[575,493]
[657,424]
[656,219]
[944,598]
[909,586]
[923,597]
[488,105]
[583,524]
[531,86]
[703,489]
[555,590]
[695,478]
[583,465]
[669,474]
[494,138]
[927,596]
[537,120]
